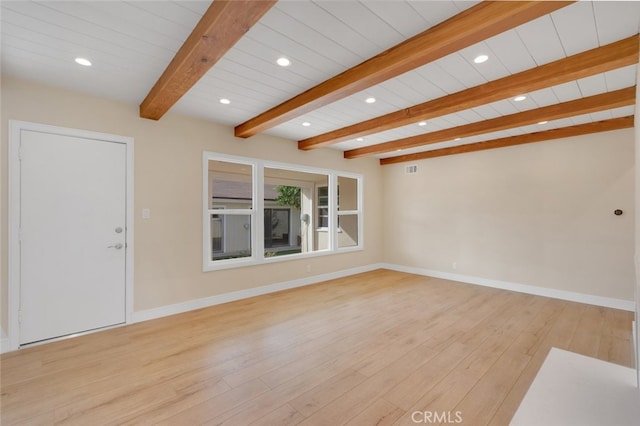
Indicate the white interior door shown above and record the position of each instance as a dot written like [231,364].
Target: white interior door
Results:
[72,235]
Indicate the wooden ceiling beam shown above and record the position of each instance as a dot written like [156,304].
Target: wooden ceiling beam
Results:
[469,27]
[596,61]
[563,132]
[609,100]
[221,26]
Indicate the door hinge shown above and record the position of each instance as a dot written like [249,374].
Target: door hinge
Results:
[20,316]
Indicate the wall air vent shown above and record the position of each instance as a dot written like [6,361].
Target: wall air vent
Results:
[411,170]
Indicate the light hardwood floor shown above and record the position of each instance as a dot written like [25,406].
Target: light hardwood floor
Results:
[370,349]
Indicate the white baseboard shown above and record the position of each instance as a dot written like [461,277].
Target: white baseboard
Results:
[626,305]
[191,305]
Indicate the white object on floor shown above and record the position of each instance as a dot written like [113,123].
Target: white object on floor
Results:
[572,389]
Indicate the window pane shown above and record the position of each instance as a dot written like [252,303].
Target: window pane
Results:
[296,215]
[276,228]
[323,196]
[290,211]
[348,193]
[217,233]
[230,236]
[347,230]
[322,218]
[230,185]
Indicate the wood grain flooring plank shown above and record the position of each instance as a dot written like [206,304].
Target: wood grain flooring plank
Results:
[360,397]
[449,383]
[203,412]
[483,400]
[321,395]
[379,413]
[283,416]
[586,338]
[366,349]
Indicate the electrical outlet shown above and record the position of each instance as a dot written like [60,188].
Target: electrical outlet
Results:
[454,265]
[146,213]
[308,268]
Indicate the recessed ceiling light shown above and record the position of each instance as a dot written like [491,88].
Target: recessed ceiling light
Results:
[370,100]
[520,98]
[480,59]
[306,124]
[360,139]
[225,101]
[83,61]
[283,62]
[422,123]
[543,122]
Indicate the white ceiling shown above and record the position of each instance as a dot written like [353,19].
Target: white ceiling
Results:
[131,42]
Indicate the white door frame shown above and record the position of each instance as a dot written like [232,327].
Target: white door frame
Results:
[15,129]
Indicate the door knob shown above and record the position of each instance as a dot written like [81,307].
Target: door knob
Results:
[117,246]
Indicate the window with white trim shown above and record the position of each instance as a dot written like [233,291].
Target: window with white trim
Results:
[230,200]
[257,211]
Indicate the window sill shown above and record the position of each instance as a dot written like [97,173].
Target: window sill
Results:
[245,262]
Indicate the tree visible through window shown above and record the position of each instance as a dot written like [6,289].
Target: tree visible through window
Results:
[257,211]
[289,196]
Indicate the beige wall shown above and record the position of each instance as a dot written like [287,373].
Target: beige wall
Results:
[168,180]
[538,214]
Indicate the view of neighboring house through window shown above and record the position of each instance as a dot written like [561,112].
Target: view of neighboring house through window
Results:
[281,202]
[292,191]
[230,208]
[258,211]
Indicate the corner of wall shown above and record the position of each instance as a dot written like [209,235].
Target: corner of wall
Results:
[607,302]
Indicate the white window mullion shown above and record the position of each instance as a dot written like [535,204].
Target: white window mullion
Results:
[360,212]
[206,216]
[258,212]
[333,212]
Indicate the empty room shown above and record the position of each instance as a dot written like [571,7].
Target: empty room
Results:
[340,212]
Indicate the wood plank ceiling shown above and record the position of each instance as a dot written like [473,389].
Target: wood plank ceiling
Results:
[574,62]
[221,26]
